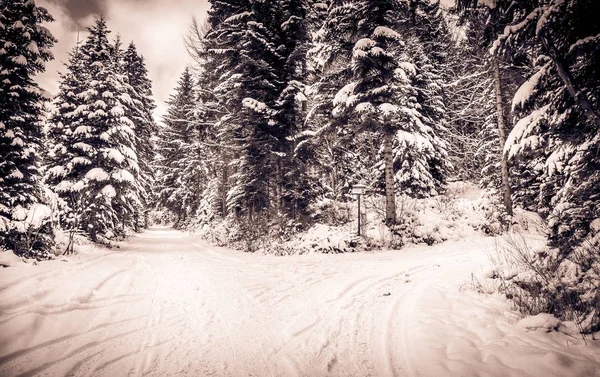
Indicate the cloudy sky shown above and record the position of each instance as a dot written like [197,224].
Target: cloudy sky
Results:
[156,26]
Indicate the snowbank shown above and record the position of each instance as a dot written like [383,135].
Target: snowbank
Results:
[8,258]
[542,321]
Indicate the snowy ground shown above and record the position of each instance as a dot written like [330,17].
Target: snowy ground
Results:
[166,304]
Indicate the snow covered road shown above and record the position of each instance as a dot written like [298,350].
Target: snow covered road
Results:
[167,304]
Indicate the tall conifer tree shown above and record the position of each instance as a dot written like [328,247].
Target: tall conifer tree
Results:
[174,139]
[24,49]
[100,171]
[558,108]
[142,106]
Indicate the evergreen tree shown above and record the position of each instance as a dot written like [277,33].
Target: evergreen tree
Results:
[173,143]
[295,188]
[25,47]
[421,160]
[213,140]
[387,92]
[100,172]
[346,156]
[558,111]
[242,34]
[64,120]
[140,91]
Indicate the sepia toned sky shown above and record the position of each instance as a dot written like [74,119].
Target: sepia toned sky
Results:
[156,26]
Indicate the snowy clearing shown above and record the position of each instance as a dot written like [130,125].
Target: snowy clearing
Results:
[167,304]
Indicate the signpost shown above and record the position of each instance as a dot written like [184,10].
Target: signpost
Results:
[359,190]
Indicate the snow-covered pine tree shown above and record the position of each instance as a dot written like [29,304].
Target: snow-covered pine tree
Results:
[295,188]
[60,152]
[242,35]
[101,170]
[383,93]
[214,141]
[197,171]
[558,107]
[173,140]
[421,167]
[345,156]
[113,178]
[420,159]
[428,23]
[374,95]
[24,48]
[145,128]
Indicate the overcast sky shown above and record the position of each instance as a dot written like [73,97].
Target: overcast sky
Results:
[156,26]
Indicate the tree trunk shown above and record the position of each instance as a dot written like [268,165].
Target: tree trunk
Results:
[575,92]
[390,195]
[506,192]
[279,183]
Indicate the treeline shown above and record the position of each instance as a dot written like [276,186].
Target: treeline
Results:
[293,101]
[82,163]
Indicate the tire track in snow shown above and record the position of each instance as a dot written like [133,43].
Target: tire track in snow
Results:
[284,316]
[55,343]
[380,342]
[329,331]
[74,303]
[112,287]
[257,336]
[402,312]
[154,318]
[93,348]
[70,267]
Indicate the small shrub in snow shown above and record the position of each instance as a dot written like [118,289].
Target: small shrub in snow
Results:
[566,286]
[29,233]
[437,219]
[250,235]
[218,233]
[331,212]
[542,321]
[496,219]
[320,238]
[404,231]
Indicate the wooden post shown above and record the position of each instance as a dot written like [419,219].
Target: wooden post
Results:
[359,214]
[359,190]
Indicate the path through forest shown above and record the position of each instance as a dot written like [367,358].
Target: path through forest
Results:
[167,304]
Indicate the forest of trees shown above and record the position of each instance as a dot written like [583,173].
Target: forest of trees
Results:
[299,100]
[291,101]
